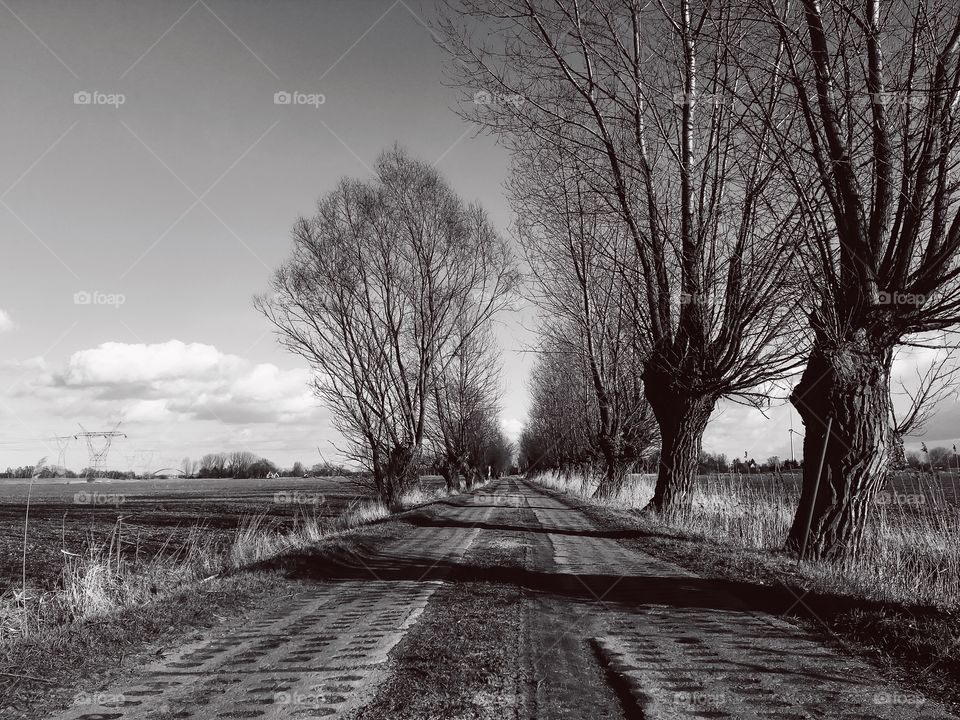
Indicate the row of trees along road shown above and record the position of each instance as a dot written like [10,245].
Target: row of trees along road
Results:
[389,295]
[777,184]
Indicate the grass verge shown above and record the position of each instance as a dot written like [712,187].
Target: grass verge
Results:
[462,658]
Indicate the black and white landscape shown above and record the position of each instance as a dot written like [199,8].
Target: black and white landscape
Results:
[548,359]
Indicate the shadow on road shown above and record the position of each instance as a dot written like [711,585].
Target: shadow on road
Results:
[365,560]
[524,528]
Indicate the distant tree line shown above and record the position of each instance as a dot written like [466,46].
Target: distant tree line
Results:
[937,458]
[235,464]
[577,424]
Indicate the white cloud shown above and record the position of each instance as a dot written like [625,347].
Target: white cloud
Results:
[512,427]
[6,322]
[164,382]
[148,411]
[115,363]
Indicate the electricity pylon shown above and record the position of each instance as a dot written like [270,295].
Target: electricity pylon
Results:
[63,442]
[98,456]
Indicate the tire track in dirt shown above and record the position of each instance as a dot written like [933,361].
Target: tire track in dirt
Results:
[568,681]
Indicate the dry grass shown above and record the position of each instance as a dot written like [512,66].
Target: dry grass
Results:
[105,578]
[911,544]
[108,576]
[258,540]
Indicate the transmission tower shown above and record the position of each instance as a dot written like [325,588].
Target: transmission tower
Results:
[63,442]
[98,455]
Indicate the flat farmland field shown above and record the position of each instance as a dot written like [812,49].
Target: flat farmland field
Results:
[146,517]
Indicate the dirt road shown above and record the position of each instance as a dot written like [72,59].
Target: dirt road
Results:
[606,632]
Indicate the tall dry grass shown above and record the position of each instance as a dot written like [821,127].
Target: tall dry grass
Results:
[258,539]
[910,551]
[103,578]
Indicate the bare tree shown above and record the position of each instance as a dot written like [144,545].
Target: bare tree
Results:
[565,430]
[940,457]
[239,463]
[875,165]
[938,380]
[466,403]
[557,433]
[645,96]
[213,464]
[385,282]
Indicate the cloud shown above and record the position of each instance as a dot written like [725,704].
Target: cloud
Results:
[6,322]
[114,363]
[735,429]
[171,381]
[512,427]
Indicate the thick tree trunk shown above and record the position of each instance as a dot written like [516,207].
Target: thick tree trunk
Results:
[462,468]
[449,474]
[614,469]
[682,418]
[399,475]
[848,385]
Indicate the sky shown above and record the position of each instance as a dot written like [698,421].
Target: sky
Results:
[151,175]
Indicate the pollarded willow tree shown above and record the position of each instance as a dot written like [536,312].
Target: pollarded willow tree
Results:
[386,282]
[644,99]
[578,251]
[875,163]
